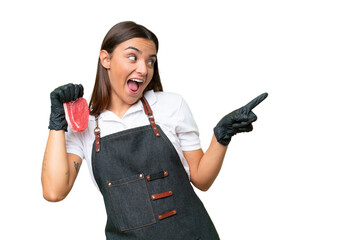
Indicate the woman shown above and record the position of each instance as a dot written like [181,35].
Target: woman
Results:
[141,144]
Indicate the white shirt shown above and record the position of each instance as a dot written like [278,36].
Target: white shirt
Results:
[170,111]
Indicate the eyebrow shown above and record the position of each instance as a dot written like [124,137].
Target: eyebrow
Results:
[134,48]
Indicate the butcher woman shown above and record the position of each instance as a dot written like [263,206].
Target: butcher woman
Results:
[141,144]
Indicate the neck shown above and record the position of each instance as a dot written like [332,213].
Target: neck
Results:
[119,107]
[120,112]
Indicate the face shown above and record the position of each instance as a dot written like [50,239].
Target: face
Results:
[130,69]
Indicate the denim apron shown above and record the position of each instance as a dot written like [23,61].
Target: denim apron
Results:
[146,190]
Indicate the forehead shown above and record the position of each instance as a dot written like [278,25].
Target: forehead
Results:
[144,45]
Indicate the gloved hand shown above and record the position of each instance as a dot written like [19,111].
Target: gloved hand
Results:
[65,93]
[237,121]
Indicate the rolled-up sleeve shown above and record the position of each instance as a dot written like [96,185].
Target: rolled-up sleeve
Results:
[74,143]
[186,129]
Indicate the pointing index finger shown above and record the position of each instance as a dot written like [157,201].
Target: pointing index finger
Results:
[256,101]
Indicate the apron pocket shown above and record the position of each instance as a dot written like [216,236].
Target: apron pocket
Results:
[131,202]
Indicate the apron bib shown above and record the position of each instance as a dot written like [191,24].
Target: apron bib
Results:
[146,190]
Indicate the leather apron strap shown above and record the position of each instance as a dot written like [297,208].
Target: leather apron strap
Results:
[97,133]
[150,115]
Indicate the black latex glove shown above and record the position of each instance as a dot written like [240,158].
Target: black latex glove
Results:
[66,93]
[237,121]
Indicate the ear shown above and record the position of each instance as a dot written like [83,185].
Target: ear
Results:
[105,59]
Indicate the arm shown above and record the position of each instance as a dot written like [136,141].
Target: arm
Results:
[59,169]
[204,168]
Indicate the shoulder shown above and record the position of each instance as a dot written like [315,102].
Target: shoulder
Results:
[155,97]
[164,100]
[168,98]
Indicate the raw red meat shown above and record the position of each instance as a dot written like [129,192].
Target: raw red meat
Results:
[77,114]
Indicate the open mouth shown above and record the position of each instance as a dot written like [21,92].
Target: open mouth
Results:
[134,85]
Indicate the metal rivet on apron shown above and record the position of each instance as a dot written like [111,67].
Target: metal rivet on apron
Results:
[109,184]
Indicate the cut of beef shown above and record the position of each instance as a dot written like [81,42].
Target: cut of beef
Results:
[77,114]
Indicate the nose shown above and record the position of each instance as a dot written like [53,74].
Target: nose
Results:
[142,68]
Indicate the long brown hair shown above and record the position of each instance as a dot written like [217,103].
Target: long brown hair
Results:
[121,32]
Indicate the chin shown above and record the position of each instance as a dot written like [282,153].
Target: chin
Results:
[133,98]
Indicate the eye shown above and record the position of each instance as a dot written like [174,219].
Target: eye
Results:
[132,57]
[151,62]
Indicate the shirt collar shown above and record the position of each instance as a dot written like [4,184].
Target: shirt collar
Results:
[150,97]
